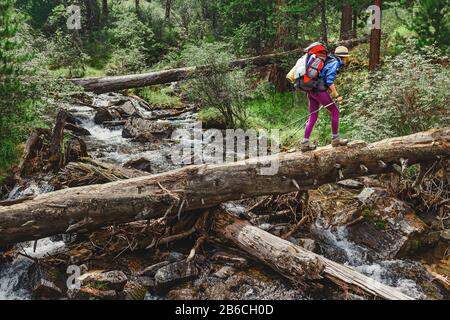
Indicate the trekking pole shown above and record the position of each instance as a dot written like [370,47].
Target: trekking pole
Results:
[303,118]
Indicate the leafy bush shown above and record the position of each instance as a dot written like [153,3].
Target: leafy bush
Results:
[408,94]
[227,92]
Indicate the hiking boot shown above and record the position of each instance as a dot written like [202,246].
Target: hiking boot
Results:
[306,146]
[338,142]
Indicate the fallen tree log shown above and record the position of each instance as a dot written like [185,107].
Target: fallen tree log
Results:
[110,84]
[205,186]
[297,263]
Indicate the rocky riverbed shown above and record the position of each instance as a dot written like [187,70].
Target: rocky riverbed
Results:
[359,223]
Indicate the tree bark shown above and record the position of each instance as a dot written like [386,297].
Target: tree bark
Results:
[375,44]
[296,263]
[57,140]
[205,186]
[355,24]
[346,21]
[110,84]
[168,9]
[105,9]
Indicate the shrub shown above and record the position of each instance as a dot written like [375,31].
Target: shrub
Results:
[227,92]
[408,94]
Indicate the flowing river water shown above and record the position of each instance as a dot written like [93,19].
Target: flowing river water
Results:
[108,145]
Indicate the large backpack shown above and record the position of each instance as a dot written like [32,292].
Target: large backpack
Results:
[305,75]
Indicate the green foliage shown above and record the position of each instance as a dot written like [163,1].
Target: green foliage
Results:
[431,23]
[15,107]
[288,112]
[250,24]
[160,96]
[227,92]
[408,94]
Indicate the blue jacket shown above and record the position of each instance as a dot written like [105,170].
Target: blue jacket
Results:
[330,71]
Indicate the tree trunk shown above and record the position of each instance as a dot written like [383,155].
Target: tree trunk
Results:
[346,21]
[355,24]
[296,263]
[137,6]
[281,35]
[205,186]
[105,9]
[168,9]
[57,140]
[323,14]
[375,44]
[89,14]
[110,84]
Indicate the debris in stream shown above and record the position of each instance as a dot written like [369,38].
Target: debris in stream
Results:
[148,259]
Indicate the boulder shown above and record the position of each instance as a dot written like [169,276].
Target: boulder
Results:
[141,164]
[102,115]
[142,130]
[111,280]
[91,293]
[175,256]
[175,274]
[44,281]
[389,227]
[134,291]
[127,110]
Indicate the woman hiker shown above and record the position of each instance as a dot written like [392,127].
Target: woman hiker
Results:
[317,98]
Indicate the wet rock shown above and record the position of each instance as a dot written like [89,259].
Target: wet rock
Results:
[351,184]
[77,130]
[134,291]
[174,274]
[127,110]
[90,293]
[175,256]
[111,280]
[43,282]
[265,226]
[142,130]
[102,115]
[308,244]
[144,281]
[390,228]
[293,240]
[224,272]
[139,164]
[151,270]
